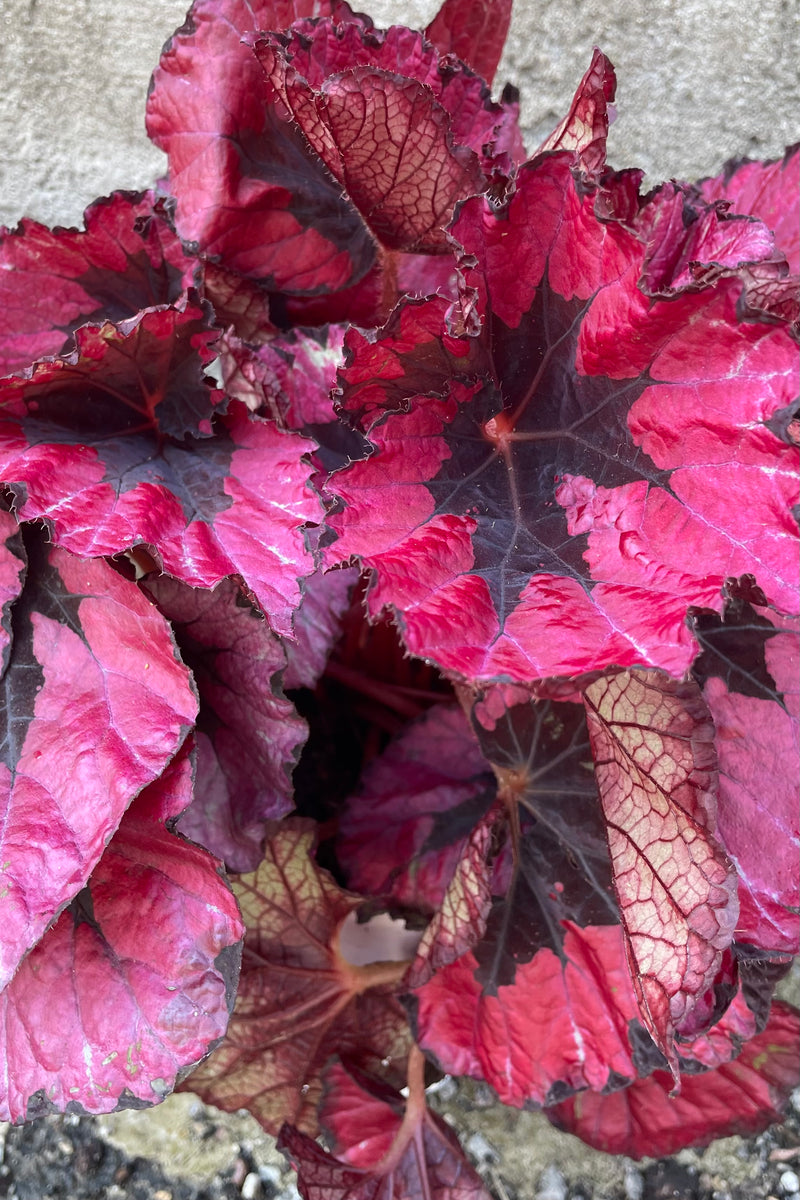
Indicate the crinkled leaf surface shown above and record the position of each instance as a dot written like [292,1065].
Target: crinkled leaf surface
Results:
[299,1000]
[748,670]
[554,864]
[742,1097]
[585,128]
[127,258]
[112,446]
[475,32]
[404,831]
[559,1027]
[13,564]
[95,703]
[604,460]
[248,191]
[767,190]
[248,734]
[377,110]
[653,747]
[425,1160]
[135,981]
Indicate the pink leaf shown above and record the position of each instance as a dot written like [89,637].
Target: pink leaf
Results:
[652,743]
[422,1158]
[99,444]
[134,983]
[248,734]
[231,156]
[748,672]
[584,129]
[742,1097]
[560,1026]
[96,703]
[557,500]
[404,831]
[53,280]
[475,32]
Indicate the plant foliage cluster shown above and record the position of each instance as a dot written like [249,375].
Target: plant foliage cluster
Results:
[399,579]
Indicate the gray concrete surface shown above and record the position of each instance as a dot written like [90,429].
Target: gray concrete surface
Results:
[698,83]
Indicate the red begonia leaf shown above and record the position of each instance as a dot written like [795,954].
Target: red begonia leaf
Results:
[585,128]
[317,625]
[98,443]
[404,831]
[475,32]
[248,734]
[310,65]
[53,280]
[423,1159]
[238,302]
[742,1097]
[559,1027]
[299,999]
[248,191]
[291,376]
[656,770]
[555,864]
[460,920]
[388,141]
[767,190]
[577,488]
[135,981]
[13,565]
[748,670]
[95,703]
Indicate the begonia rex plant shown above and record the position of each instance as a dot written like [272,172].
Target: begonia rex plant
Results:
[400,594]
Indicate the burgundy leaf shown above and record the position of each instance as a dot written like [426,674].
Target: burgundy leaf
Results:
[767,190]
[584,129]
[559,1027]
[421,1160]
[388,142]
[135,981]
[95,703]
[13,565]
[96,444]
[142,374]
[405,830]
[315,56]
[317,625]
[475,32]
[653,748]
[748,671]
[53,280]
[300,1000]
[291,376]
[742,1097]
[598,461]
[552,865]
[248,734]
[460,920]
[247,189]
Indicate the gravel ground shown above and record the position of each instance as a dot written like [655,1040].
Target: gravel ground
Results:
[184,1150]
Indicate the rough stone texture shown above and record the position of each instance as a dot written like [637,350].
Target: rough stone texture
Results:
[698,83]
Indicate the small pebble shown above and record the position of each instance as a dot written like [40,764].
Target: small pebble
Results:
[634,1184]
[481,1150]
[251,1186]
[270,1175]
[790,1181]
[552,1185]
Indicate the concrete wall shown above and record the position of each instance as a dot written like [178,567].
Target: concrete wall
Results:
[698,83]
